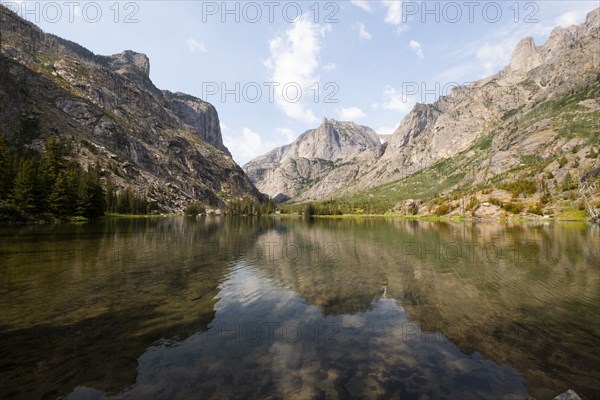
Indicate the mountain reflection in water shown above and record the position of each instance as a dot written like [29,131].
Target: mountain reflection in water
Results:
[266,308]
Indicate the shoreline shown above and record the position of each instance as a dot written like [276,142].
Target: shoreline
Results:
[425,218]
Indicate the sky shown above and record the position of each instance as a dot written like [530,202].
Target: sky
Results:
[274,69]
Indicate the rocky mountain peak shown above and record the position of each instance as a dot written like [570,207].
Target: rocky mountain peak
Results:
[526,56]
[592,19]
[130,61]
[200,115]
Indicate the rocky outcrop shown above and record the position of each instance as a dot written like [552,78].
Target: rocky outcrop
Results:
[202,116]
[485,127]
[289,170]
[166,146]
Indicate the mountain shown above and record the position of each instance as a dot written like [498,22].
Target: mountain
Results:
[166,146]
[542,106]
[286,171]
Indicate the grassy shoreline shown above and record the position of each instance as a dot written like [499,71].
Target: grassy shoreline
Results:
[563,217]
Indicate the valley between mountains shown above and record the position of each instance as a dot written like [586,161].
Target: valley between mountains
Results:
[523,142]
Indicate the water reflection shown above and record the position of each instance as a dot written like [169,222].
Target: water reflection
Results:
[247,308]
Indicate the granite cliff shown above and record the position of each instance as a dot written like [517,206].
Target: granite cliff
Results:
[543,105]
[166,146]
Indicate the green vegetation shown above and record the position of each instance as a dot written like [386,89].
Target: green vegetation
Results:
[46,186]
[568,183]
[126,202]
[562,162]
[195,208]
[513,207]
[247,206]
[520,186]
[535,208]
[569,118]
[49,186]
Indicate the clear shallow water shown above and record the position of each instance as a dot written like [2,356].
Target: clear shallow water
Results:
[173,308]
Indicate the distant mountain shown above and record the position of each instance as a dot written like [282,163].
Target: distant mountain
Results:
[167,146]
[543,105]
[287,171]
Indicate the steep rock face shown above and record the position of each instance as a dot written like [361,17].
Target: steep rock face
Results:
[114,116]
[130,61]
[494,111]
[525,57]
[289,170]
[202,116]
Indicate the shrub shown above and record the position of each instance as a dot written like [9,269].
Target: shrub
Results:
[495,201]
[11,213]
[195,208]
[568,183]
[413,209]
[591,154]
[535,208]
[309,210]
[442,209]
[473,204]
[514,208]
[545,198]
[524,186]
[562,162]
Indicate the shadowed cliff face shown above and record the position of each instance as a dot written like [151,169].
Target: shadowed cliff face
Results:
[167,146]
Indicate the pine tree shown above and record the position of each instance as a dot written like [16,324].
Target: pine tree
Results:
[111,197]
[6,178]
[90,196]
[23,191]
[61,202]
[54,159]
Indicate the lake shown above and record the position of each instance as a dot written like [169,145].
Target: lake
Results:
[178,308]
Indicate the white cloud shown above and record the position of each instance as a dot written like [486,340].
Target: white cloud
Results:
[394,11]
[362,31]
[294,60]
[417,48]
[364,4]
[350,114]
[393,15]
[385,130]
[287,134]
[395,101]
[246,147]
[194,46]
[329,67]
[570,18]
[493,57]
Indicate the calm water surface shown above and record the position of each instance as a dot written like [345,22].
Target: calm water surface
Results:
[172,308]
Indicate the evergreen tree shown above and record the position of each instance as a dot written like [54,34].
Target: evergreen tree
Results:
[23,191]
[6,176]
[111,197]
[90,196]
[54,159]
[61,201]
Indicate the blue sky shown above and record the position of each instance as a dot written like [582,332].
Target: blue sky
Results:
[275,69]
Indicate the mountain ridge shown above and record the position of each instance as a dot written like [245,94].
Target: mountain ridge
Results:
[313,154]
[166,146]
[488,109]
